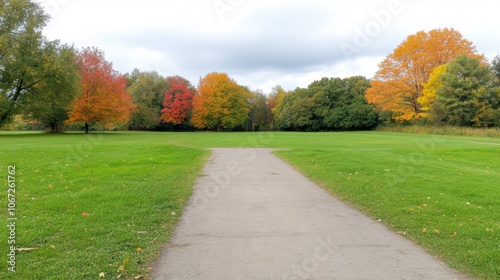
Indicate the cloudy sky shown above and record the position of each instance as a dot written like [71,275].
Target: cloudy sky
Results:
[262,43]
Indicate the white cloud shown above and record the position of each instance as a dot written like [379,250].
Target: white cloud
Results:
[261,43]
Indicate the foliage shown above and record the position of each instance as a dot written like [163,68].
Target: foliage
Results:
[22,54]
[104,98]
[495,68]
[176,80]
[147,90]
[328,104]
[178,105]
[400,80]
[295,111]
[221,103]
[52,98]
[259,115]
[466,97]
[430,88]
[275,100]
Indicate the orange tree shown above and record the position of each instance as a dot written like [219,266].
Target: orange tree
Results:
[401,77]
[220,103]
[104,98]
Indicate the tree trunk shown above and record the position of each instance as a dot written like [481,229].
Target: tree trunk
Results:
[9,110]
[86,128]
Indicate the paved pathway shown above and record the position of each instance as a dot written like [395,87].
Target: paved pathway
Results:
[252,216]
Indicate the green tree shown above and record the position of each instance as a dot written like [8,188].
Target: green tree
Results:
[296,111]
[259,115]
[148,91]
[341,104]
[52,98]
[466,97]
[495,68]
[329,104]
[22,56]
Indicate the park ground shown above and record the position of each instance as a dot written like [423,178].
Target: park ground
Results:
[104,204]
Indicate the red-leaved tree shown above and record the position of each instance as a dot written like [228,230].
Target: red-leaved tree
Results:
[178,105]
[104,98]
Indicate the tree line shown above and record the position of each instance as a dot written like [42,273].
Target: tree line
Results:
[433,77]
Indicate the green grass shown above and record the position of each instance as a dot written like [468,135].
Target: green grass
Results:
[440,191]
[89,203]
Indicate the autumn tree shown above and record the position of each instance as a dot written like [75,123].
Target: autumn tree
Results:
[220,103]
[148,91]
[178,105]
[104,98]
[429,93]
[178,80]
[274,102]
[466,96]
[401,77]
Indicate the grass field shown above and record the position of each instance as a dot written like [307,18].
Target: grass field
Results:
[106,203]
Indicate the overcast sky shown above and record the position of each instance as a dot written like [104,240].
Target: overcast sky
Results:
[262,43]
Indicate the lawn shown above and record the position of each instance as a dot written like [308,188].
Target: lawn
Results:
[107,203]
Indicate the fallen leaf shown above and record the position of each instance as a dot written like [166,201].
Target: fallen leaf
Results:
[437,231]
[139,249]
[468,203]
[101,275]
[85,214]
[26,249]
[453,235]
[121,268]
[142,232]
[424,230]
[139,277]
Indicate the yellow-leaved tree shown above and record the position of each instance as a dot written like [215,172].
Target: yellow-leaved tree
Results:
[221,103]
[430,88]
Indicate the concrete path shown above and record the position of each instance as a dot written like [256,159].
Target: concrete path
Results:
[252,216]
